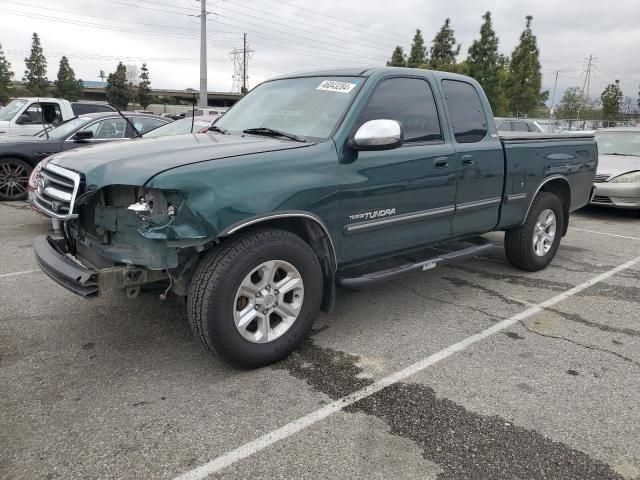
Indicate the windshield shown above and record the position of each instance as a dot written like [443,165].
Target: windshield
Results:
[179,127]
[65,129]
[309,107]
[8,112]
[621,143]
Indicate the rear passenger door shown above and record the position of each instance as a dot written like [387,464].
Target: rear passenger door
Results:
[480,179]
[392,200]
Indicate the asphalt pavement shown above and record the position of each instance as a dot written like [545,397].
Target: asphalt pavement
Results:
[470,371]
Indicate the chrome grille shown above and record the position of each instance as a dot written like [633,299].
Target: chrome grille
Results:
[602,177]
[56,191]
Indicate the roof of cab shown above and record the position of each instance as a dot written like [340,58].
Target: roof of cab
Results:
[366,72]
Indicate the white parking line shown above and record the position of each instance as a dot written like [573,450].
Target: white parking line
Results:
[604,233]
[301,423]
[14,274]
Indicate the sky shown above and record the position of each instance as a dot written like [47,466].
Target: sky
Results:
[295,35]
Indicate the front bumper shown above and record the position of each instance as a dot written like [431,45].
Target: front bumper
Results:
[619,195]
[85,280]
[66,271]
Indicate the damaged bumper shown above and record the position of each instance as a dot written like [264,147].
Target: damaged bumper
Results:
[84,279]
[66,271]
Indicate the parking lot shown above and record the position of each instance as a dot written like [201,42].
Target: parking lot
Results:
[480,380]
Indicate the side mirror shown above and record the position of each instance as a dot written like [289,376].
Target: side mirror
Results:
[378,135]
[22,119]
[83,135]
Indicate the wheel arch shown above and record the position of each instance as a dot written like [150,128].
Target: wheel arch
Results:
[558,185]
[19,156]
[311,229]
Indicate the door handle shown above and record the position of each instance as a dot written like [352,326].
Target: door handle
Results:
[441,162]
[467,160]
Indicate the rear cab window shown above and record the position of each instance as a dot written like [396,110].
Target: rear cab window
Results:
[465,108]
[409,101]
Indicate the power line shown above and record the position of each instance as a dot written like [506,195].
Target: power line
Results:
[93,16]
[345,36]
[320,45]
[351,24]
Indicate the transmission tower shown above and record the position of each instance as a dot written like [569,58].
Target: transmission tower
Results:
[591,64]
[240,58]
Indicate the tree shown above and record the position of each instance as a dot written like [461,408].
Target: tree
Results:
[611,99]
[418,55]
[525,79]
[66,86]
[485,64]
[144,96]
[117,88]
[574,104]
[133,75]
[639,97]
[36,73]
[6,78]
[443,49]
[398,58]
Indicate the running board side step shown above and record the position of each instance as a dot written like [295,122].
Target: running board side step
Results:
[480,245]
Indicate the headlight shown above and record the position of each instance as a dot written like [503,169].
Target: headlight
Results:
[630,177]
[34,174]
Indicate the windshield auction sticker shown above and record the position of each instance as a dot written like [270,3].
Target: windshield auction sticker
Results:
[334,86]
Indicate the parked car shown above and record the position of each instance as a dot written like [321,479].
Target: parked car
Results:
[310,181]
[28,115]
[20,154]
[186,125]
[517,125]
[617,181]
[205,111]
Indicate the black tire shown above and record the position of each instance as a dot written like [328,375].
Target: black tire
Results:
[14,179]
[518,242]
[210,304]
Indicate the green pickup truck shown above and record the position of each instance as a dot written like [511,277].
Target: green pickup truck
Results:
[312,181]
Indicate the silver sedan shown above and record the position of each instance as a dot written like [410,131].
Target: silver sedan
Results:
[617,182]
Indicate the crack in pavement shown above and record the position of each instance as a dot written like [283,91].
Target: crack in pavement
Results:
[449,302]
[574,317]
[459,282]
[584,345]
[464,444]
[516,279]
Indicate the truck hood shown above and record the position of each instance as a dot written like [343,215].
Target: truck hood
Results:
[614,165]
[135,162]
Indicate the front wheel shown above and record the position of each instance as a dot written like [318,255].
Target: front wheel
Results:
[253,300]
[532,245]
[14,179]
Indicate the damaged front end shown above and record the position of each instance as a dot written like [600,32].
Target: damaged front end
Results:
[119,237]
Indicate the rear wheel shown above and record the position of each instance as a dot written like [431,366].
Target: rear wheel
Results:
[254,300]
[14,179]
[532,245]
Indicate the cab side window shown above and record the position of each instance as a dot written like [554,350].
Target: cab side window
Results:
[409,101]
[48,113]
[465,108]
[109,128]
[145,124]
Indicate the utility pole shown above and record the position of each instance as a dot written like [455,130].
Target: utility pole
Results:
[587,80]
[204,98]
[244,64]
[553,97]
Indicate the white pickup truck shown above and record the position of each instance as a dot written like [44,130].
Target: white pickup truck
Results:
[27,115]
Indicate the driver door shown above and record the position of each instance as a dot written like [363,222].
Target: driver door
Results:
[394,200]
